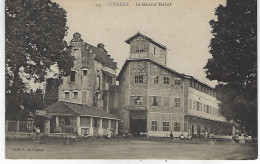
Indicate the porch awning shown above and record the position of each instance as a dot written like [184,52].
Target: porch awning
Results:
[206,118]
[71,109]
[135,108]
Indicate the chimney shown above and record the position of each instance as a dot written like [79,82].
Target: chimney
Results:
[102,47]
[76,37]
[115,63]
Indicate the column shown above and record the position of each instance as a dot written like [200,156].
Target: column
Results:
[91,127]
[17,126]
[116,132]
[47,126]
[57,121]
[57,124]
[100,130]
[78,125]
[109,124]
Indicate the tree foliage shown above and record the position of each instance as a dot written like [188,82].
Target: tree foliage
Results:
[234,61]
[35,31]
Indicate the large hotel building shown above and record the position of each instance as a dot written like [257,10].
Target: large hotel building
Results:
[151,98]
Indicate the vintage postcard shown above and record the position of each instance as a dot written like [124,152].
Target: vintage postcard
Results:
[131,79]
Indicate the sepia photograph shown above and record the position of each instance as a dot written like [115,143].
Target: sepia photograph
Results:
[131,79]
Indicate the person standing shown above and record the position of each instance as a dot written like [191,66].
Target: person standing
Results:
[171,136]
[37,129]
[109,134]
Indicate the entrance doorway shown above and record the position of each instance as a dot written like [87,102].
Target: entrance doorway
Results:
[138,122]
[138,126]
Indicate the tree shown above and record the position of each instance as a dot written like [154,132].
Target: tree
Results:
[234,61]
[35,31]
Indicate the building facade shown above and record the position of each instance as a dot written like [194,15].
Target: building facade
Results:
[83,97]
[154,99]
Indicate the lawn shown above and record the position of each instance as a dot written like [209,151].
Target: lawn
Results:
[134,148]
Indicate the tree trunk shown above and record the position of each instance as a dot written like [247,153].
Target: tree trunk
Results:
[12,107]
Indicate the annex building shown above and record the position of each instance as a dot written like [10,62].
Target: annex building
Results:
[83,97]
[155,99]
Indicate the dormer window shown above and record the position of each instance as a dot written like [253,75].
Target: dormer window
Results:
[75,48]
[75,94]
[84,71]
[66,95]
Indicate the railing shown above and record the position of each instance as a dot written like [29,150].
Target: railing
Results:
[19,126]
[68,129]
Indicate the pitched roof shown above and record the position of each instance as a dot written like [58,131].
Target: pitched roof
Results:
[102,57]
[72,109]
[59,108]
[163,66]
[148,59]
[146,37]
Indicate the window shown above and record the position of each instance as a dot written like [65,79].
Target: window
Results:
[190,104]
[85,72]
[72,75]
[76,95]
[166,101]
[207,108]
[138,100]
[156,80]
[166,80]
[198,105]
[177,81]
[139,50]
[177,102]
[67,95]
[139,78]
[85,121]
[165,126]
[153,50]
[177,126]
[154,126]
[155,103]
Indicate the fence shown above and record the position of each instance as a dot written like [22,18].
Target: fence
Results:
[19,126]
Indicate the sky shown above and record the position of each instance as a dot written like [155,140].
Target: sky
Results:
[182,27]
